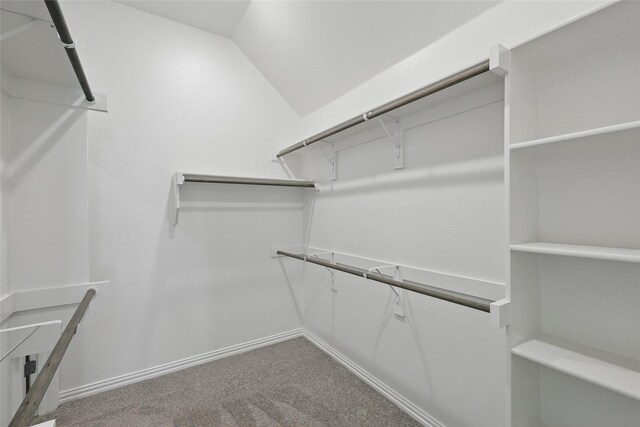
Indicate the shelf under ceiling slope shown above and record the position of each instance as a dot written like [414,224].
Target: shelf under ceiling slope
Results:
[35,54]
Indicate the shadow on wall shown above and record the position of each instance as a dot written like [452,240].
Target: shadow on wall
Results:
[208,197]
[42,136]
[475,172]
[460,149]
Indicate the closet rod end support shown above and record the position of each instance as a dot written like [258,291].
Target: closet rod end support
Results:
[500,313]
[499,60]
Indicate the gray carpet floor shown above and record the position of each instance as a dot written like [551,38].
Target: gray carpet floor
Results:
[292,383]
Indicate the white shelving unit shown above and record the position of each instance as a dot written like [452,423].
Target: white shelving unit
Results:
[605,369]
[580,251]
[573,141]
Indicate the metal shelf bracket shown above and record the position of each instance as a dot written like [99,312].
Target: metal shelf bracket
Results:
[398,304]
[394,133]
[176,181]
[316,255]
[331,158]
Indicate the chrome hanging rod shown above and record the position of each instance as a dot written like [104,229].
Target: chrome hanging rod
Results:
[69,46]
[471,301]
[452,80]
[25,413]
[248,181]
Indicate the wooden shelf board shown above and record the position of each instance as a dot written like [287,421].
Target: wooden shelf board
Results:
[607,370]
[580,251]
[630,129]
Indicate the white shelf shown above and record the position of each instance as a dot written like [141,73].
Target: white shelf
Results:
[179,179]
[605,369]
[580,251]
[629,130]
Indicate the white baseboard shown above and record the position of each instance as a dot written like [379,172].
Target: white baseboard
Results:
[399,400]
[145,374]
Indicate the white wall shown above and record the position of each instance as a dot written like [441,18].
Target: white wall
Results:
[48,235]
[45,227]
[445,211]
[365,38]
[510,23]
[180,99]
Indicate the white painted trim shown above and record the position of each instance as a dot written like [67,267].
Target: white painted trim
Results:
[156,371]
[51,423]
[42,340]
[399,400]
[500,313]
[46,297]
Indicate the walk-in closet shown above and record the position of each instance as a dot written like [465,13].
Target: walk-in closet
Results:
[319,213]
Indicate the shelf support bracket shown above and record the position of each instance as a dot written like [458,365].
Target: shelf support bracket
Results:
[499,60]
[331,158]
[394,134]
[500,313]
[331,272]
[176,181]
[398,304]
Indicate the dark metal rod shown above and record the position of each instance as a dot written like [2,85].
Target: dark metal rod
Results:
[248,181]
[25,413]
[471,301]
[27,383]
[452,80]
[65,36]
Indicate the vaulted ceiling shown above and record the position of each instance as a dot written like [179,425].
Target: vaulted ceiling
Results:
[315,51]
[312,52]
[216,16]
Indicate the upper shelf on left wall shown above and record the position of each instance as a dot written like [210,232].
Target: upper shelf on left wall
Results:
[40,61]
[180,179]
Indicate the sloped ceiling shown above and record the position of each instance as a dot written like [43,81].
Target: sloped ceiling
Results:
[312,52]
[216,16]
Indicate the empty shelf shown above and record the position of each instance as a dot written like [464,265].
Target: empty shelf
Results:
[624,130]
[179,179]
[580,251]
[607,370]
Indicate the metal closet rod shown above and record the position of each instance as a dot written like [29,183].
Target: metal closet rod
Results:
[248,181]
[452,80]
[471,301]
[69,46]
